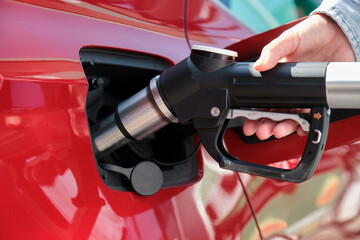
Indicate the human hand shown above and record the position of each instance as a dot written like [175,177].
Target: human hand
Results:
[316,39]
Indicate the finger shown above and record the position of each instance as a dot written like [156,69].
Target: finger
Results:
[250,126]
[301,132]
[277,49]
[265,130]
[285,128]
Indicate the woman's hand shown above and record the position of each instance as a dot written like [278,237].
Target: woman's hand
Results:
[316,39]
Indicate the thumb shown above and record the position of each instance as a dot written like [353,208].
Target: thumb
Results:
[277,49]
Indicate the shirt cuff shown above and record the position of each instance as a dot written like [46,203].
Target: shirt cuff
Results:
[346,13]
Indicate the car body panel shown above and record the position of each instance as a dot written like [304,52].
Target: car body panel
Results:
[61,28]
[51,187]
[208,23]
[48,172]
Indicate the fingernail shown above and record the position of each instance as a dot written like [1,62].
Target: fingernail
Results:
[261,61]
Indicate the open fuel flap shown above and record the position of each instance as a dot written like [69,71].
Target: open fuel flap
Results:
[163,159]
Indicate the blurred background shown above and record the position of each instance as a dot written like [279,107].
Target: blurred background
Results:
[262,15]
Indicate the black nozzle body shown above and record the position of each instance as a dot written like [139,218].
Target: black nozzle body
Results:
[203,81]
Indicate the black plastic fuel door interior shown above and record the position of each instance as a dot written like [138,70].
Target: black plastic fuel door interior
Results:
[113,76]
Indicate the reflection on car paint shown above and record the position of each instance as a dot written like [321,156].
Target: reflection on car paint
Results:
[49,181]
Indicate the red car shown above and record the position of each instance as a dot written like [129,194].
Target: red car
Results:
[66,64]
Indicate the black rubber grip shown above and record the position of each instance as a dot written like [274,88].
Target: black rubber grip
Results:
[294,85]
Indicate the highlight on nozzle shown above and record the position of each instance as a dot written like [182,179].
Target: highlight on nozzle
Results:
[343,85]
[220,51]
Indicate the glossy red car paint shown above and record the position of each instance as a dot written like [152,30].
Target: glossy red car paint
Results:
[209,24]
[50,185]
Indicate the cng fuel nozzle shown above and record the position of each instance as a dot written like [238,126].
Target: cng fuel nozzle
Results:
[210,87]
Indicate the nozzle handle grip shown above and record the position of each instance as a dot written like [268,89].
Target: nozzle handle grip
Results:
[212,140]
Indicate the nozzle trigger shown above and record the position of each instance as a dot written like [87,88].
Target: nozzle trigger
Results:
[275,116]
